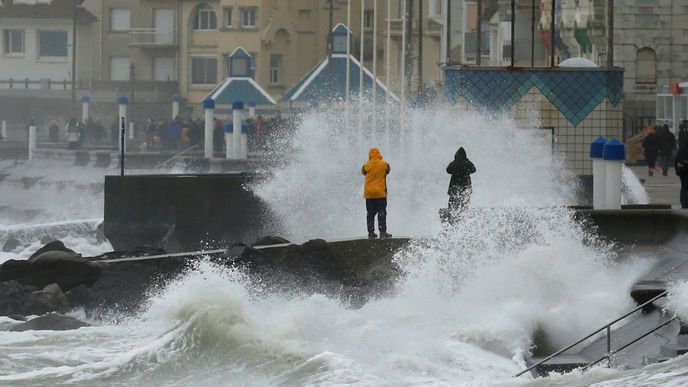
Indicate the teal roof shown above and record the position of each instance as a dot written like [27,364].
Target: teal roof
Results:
[240,89]
[313,87]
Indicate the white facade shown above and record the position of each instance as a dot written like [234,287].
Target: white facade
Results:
[37,62]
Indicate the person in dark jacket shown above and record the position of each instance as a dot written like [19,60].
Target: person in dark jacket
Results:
[651,146]
[460,187]
[681,165]
[683,134]
[667,144]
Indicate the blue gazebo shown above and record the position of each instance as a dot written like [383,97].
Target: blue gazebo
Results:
[314,89]
[239,86]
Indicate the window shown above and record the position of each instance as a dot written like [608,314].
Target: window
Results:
[163,69]
[119,68]
[120,19]
[239,67]
[339,43]
[227,17]
[275,64]
[435,8]
[205,18]
[248,16]
[13,41]
[646,66]
[368,19]
[52,43]
[204,70]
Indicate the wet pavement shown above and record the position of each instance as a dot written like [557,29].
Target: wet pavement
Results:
[661,189]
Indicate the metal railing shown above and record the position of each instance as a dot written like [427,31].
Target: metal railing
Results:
[178,155]
[152,37]
[609,337]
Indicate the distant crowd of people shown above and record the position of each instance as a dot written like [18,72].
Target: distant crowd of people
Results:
[156,134]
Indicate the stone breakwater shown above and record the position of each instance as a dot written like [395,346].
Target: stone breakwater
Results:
[56,279]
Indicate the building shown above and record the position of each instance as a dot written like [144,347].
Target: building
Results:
[36,56]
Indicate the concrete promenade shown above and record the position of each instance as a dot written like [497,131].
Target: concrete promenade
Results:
[660,189]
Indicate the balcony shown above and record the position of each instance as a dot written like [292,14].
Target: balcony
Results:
[152,37]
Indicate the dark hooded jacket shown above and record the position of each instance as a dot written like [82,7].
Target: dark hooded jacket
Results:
[460,169]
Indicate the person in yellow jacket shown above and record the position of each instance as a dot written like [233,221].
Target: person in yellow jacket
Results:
[375,192]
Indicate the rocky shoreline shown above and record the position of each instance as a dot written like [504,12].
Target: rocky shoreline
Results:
[56,279]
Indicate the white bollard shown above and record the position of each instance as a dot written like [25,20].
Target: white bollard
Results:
[209,107]
[4,129]
[614,156]
[85,103]
[252,110]
[176,99]
[229,140]
[237,115]
[122,101]
[32,141]
[131,130]
[599,173]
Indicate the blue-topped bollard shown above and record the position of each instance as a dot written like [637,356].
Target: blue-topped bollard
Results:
[85,102]
[599,173]
[122,101]
[237,112]
[176,100]
[229,145]
[252,110]
[613,154]
[209,108]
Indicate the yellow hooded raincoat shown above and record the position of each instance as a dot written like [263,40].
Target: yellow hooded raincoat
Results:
[375,171]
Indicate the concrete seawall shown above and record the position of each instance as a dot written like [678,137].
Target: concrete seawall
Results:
[184,212]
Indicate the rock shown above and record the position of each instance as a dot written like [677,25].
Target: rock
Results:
[52,246]
[68,270]
[24,300]
[269,240]
[49,257]
[54,295]
[241,254]
[10,244]
[50,322]
[100,233]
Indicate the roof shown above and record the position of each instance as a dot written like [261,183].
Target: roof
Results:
[313,87]
[44,9]
[240,89]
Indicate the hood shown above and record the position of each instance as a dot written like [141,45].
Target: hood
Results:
[460,154]
[374,154]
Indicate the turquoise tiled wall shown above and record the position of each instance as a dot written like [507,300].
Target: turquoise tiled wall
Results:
[579,104]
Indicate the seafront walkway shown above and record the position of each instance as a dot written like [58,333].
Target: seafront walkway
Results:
[660,189]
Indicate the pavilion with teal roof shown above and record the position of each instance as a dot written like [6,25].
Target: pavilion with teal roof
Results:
[314,88]
[239,86]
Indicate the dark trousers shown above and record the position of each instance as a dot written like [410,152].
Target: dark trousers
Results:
[664,161]
[376,207]
[684,191]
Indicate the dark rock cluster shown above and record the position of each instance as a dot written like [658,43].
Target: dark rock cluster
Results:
[57,279]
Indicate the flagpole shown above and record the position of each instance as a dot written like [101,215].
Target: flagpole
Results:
[373,129]
[348,51]
[360,73]
[387,48]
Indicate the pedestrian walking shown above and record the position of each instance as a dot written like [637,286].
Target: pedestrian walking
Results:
[375,192]
[460,185]
[667,145]
[651,147]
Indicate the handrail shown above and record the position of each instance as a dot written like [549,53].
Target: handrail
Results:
[176,156]
[644,335]
[607,327]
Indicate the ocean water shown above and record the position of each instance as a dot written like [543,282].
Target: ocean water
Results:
[463,312]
